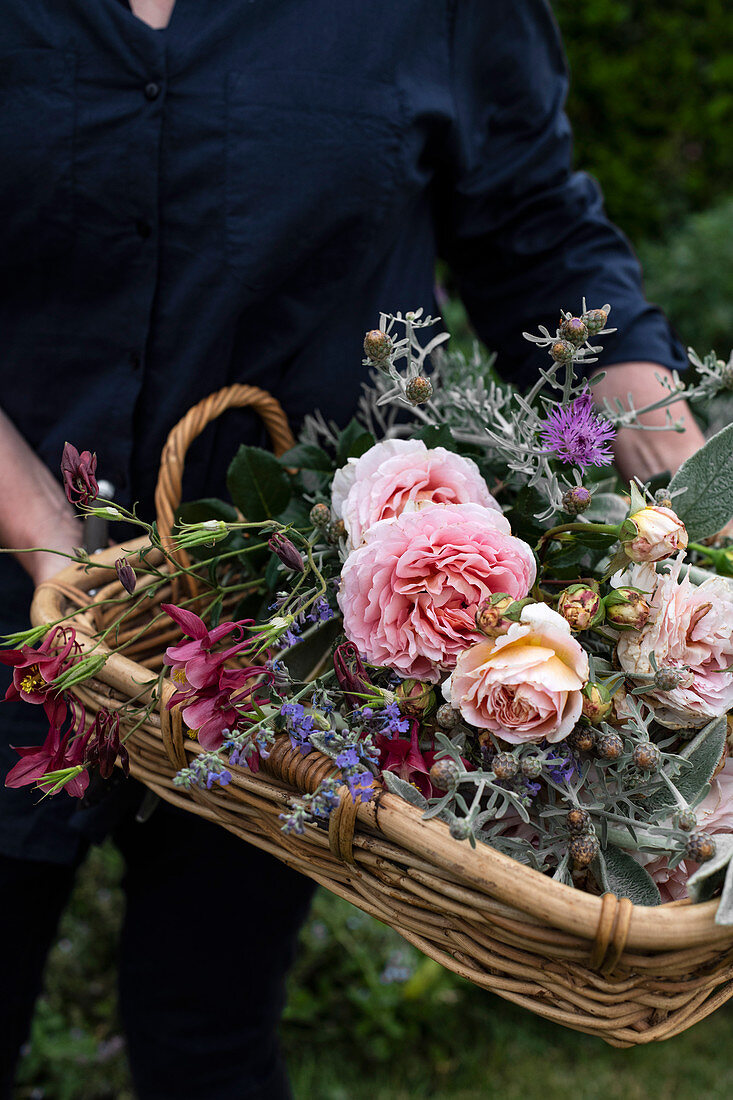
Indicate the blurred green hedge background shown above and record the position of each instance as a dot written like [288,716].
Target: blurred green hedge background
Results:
[652,107]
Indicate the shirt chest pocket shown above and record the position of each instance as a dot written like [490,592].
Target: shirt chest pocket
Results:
[36,151]
[312,167]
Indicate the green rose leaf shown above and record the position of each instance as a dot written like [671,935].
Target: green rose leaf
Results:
[436,436]
[258,484]
[621,875]
[353,442]
[707,478]
[306,456]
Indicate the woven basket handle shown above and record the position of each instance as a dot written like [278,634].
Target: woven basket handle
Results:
[170,478]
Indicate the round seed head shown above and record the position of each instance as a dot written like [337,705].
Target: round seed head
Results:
[609,746]
[532,767]
[505,765]
[595,320]
[444,773]
[320,515]
[419,390]
[700,847]
[583,850]
[574,330]
[562,351]
[647,756]
[447,717]
[578,821]
[686,820]
[582,739]
[377,346]
[576,500]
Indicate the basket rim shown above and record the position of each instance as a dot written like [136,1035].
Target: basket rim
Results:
[666,927]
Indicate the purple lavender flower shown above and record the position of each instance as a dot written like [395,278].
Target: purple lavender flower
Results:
[560,767]
[320,612]
[349,758]
[360,786]
[576,434]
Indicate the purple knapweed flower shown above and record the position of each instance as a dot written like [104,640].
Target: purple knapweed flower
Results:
[576,434]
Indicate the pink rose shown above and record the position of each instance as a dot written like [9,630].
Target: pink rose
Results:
[525,685]
[409,593]
[689,626]
[714,815]
[401,473]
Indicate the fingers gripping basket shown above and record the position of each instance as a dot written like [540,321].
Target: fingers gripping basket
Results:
[600,965]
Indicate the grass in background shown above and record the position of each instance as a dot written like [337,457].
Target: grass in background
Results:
[368,1018]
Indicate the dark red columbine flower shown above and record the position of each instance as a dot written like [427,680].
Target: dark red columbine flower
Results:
[125,575]
[407,760]
[59,750]
[103,746]
[78,473]
[34,669]
[217,709]
[287,552]
[351,674]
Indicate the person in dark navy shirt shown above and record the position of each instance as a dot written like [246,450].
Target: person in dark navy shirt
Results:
[226,191]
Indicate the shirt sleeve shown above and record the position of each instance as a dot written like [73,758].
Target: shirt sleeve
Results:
[523,233]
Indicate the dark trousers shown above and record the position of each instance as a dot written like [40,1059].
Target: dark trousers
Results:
[209,933]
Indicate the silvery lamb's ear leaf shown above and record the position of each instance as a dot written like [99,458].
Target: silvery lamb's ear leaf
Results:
[621,875]
[707,478]
[703,752]
[724,912]
[405,790]
[700,885]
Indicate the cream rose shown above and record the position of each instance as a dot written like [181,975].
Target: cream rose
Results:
[525,685]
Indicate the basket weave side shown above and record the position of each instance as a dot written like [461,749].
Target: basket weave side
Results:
[628,973]
[170,478]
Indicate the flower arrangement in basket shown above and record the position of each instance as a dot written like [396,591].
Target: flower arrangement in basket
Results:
[442,662]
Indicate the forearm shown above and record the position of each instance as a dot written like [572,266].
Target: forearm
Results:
[646,453]
[33,508]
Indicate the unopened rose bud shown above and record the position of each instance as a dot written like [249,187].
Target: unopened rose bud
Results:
[377,346]
[626,609]
[491,615]
[447,717]
[320,515]
[574,330]
[597,703]
[444,774]
[125,575]
[78,472]
[562,351]
[284,549]
[577,500]
[419,390]
[653,533]
[415,698]
[668,678]
[595,320]
[580,606]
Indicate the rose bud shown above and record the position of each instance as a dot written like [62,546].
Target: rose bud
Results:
[491,615]
[284,549]
[581,606]
[415,698]
[626,609]
[78,472]
[125,575]
[574,330]
[419,390]
[653,533]
[577,500]
[597,703]
[377,346]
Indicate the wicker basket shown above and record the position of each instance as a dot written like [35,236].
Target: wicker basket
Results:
[627,973]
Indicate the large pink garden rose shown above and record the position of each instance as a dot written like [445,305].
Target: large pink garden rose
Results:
[714,815]
[690,625]
[409,593]
[525,685]
[400,473]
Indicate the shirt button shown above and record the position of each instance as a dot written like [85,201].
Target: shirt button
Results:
[143,228]
[152,90]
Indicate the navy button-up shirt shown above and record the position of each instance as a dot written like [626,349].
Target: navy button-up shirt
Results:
[235,198]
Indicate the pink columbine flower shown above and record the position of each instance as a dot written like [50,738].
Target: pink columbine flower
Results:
[215,710]
[403,473]
[689,627]
[525,685]
[58,751]
[409,594]
[194,663]
[35,669]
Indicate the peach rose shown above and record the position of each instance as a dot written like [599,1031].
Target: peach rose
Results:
[409,593]
[654,533]
[714,815]
[525,685]
[401,473]
[689,626]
